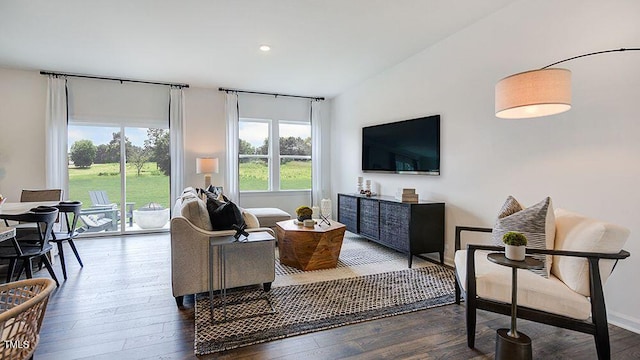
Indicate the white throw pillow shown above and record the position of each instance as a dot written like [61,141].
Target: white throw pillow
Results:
[575,232]
[536,222]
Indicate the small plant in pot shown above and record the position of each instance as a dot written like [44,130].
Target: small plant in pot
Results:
[304,213]
[514,245]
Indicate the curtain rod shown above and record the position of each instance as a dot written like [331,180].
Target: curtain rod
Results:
[113,79]
[271,94]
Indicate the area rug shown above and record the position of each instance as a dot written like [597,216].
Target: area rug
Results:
[305,308]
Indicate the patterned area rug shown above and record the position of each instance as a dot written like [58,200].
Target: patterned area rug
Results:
[317,306]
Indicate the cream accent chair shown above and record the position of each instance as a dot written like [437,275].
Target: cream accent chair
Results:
[584,255]
[250,264]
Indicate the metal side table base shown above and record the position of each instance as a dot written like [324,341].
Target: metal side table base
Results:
[508,347]
[221,244]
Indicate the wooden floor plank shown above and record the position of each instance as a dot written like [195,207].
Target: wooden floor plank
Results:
[119,306]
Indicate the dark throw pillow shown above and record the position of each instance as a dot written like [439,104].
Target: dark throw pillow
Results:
[223,215]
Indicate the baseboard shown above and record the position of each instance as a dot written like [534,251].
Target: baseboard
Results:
[624,321]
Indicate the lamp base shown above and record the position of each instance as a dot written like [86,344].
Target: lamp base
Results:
[207,181]
[509,348]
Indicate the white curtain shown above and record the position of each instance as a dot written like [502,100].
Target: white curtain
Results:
[317,184]
[176,138]
[232,190]
[56,176]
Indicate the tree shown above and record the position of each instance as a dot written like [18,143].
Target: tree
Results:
[83,153]
[264,149]
[113,148]
[295,146]
[157,144]
[138,156]
[246,148]
[102,154]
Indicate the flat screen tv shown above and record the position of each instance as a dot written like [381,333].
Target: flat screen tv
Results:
[403,147]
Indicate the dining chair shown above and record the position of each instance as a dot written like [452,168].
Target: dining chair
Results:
[41,195]
[37,196]
[70,212]
[29,244]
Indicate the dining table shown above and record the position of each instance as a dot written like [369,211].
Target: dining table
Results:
[9,210]
[16,208]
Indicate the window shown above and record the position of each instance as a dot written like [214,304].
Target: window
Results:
[268,166]
[254,155]
[295,156]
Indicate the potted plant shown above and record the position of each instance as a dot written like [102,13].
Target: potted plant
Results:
[304,213]
[514,245]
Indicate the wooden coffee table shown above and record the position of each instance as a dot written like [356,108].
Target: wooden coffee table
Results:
[308,248]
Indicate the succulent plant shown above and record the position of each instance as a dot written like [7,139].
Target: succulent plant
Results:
[514,238]
[304,212]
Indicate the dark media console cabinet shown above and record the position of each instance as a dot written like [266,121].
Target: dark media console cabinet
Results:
[411,228]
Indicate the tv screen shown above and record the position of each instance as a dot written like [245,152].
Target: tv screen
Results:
[404,147]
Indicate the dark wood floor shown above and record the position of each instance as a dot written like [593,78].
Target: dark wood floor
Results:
[119,306]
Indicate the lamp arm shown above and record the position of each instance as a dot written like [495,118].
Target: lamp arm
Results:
[590,54]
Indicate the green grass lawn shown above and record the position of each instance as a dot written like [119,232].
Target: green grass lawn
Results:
[294,175]
[150,186]
[153,186]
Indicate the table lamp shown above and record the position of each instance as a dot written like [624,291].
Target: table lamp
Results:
[206,166]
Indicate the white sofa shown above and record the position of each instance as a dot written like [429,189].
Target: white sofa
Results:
[250,264]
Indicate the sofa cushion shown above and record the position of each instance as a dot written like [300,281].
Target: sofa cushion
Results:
[493,282]
[194,210]
[250,219]
[268,217]
[536,222]
[576,232]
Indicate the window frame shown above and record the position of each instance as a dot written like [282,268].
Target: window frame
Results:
[273,157]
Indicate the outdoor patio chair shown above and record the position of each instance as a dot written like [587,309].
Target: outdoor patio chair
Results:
[99,219]
[100,199]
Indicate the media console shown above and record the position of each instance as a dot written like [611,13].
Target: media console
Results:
[411,228]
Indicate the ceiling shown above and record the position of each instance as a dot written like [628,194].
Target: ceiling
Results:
[319,47]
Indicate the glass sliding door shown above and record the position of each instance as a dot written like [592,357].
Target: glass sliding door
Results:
[121,175]
[147,179]
[95,176]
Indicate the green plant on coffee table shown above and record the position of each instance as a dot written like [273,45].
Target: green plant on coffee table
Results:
[304,213]
[514,238]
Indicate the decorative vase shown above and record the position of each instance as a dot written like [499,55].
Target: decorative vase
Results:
[325,208]
[516,253]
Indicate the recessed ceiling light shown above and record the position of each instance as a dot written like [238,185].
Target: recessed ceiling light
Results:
[265,48]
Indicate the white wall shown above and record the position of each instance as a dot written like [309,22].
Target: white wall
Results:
[587,159]
[205,133]
[23,97]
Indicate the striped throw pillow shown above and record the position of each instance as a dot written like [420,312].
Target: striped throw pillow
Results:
[536,222]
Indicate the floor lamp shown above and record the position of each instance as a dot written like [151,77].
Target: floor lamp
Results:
[207,166]
[542,92]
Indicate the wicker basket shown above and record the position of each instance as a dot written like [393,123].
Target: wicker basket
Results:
[22,307]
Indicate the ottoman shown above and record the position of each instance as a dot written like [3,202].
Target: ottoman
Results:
[268,217]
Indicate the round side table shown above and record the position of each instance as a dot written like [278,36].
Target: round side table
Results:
[510,344]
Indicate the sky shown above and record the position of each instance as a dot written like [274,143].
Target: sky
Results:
[255,132]
[102,134]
